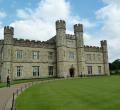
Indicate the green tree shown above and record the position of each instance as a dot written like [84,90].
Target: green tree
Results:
[115,66]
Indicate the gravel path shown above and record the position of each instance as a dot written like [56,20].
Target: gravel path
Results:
[6,94]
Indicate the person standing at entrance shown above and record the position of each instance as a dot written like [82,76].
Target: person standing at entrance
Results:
[8,81]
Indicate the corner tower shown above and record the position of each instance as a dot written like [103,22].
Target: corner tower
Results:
[78,31]
[60,47]
[105,57]
[7,53]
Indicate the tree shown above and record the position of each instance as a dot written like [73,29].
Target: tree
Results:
[115,66]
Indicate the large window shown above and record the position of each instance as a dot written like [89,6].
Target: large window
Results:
[35,54]
[50,55]
[35,70]
[99,69]
[50,70]
[19,54]
[71,55]
[89,70]
[19,71]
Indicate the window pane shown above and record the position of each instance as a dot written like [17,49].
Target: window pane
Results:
[19,71]
[35,54]
[50,70]
[19,54]
[71,55]
[89,69]
[99,69]
[35,71]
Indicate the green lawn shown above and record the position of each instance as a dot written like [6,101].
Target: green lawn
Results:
[2,85]
[97,93]
[25,81]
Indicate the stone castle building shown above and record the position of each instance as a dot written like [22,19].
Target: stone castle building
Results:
[63,55]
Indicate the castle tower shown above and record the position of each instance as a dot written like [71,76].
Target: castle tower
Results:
[60,47]
[105,57]
[7,53]
[78,31]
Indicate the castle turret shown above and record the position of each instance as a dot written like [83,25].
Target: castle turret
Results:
[60,32]
[105,57]
[61,46]
[8,35]
[78,30]
[7,53]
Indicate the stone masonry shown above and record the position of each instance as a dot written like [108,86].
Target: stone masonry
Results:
[63,55]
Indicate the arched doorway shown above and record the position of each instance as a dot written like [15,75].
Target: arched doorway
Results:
[72,72]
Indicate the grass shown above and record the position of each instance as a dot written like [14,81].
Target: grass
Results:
[2,85]
[97,93]
[24,81]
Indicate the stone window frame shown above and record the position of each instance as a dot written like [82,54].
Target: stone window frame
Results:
[19,71]
[35,71]
[99,69]
[50,55]
[71,55]
[35,55]
[90,70]
[19,54]
[51,70]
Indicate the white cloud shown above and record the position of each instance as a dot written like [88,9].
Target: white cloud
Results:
[40,23]
[29,29]
[24,14]
[1,30]
[115,2]
[110,17]
[76,19]
[52,9]
[2,14]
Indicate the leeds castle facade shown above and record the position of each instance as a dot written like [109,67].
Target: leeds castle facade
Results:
[63,55]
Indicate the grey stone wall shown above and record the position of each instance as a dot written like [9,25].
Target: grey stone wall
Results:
[61,45]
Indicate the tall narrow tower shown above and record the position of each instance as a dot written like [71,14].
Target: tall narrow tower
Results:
[60,47]
[105,57]
[78,30]
[7,53]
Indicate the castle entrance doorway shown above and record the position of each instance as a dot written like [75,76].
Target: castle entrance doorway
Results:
[72,72]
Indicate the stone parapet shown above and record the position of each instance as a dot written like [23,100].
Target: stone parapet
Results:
[60,24]
[70,36]
[78,28]
[92,49]
[8,30]
[33,43]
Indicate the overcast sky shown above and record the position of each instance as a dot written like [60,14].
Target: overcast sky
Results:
[35,19]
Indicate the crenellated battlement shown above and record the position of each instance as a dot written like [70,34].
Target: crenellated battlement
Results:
[92,48]
[60,24]
[8,30]
[65,53]
[78,28]
[32,43]
[70,36]
[103,43]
